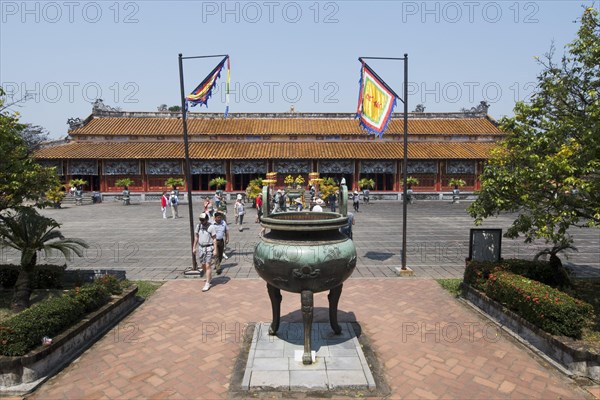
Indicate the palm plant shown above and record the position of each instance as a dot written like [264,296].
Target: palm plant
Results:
[456,182]
[411,180]
[124,182]
[29,232]
[366,183]
[219,182]
[174,182]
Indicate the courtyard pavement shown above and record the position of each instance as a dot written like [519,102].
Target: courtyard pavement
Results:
[184,344]
[135,239]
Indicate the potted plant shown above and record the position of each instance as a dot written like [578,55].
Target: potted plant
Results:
[289,180]
[125,183]
[174,183]
[218,182]
[366,183]
[56,195]
[299,181]
[254,189]
[410,181]
[456,184]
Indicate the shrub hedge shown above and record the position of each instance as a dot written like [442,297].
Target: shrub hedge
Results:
[45,276]
[547,308]
[24,332]
[478,272]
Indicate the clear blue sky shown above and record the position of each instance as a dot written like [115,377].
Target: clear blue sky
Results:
[283,53]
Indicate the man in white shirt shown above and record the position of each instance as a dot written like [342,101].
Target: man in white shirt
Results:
[205,245]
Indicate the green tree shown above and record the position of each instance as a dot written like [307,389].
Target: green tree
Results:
[29,232]
[547,168]
[21,177]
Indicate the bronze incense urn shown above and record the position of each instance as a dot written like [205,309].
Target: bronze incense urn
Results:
[305,253]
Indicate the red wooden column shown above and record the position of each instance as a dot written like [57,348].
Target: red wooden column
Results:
[398,177]
[438,177]
[145,182]
[228,176]
[356,176]
[478,171]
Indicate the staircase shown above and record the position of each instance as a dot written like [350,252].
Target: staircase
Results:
[70,200]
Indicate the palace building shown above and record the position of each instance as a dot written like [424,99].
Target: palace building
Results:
[148,147]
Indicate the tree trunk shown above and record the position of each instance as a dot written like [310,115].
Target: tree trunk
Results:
[20,300]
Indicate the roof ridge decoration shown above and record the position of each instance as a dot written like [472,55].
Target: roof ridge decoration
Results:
[283,115]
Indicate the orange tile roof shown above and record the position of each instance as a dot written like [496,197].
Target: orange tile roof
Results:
[267,150]
[283,126]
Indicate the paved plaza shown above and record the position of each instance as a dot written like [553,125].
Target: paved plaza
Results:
[419,341]
[136,239]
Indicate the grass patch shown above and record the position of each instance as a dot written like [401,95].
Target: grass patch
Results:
[451,285]
[147,288]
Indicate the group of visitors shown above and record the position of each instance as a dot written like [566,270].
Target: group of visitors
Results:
[211,235]
[170,200]
[210,239]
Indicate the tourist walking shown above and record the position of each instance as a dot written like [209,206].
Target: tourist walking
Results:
[366,194]
[164,203]
[205,247]
[332,200]
[239,210]
[222,232]
[299,205]
[355,200]
[174,205]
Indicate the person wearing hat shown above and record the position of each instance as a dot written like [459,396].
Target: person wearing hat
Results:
[205,246]
[355,200]
[318,205]
[299,205]
[222,233]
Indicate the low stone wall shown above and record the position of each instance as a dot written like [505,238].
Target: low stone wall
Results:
[21,375]
[578,362]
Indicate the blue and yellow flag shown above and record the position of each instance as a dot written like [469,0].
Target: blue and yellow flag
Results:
[203,91]
[376,101]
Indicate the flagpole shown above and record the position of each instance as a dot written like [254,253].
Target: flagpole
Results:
[403,270]
[404,163]
[188,176]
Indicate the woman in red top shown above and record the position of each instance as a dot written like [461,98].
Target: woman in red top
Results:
[259,202]
[164,202]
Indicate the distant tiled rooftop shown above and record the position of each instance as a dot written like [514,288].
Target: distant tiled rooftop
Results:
[156,124]
[268,150]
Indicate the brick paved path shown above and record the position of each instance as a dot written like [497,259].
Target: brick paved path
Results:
[136,239]
[182,344]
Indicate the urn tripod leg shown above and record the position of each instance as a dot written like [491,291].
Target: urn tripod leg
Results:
[334,299]
[306,298]
[275,296]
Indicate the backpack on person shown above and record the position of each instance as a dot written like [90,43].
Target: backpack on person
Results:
[174,200]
